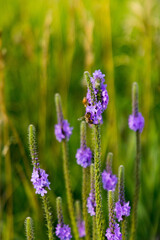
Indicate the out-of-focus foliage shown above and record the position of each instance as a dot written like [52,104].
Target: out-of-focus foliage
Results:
[45,48]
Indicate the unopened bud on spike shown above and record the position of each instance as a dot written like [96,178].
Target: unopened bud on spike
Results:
[135,99]
[32,145]
[59,211]
[59,108]
[29,228]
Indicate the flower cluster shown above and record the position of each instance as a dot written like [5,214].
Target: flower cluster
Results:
[122,210]
[91,204]
[84,157]
[63,232]
[81,229]
[98,100]
[40,181]
[113,233]
[136,122]
[109,180]
[63,130]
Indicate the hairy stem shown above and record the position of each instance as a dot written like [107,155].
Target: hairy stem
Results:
[48,216]
[137,187]
[123,226]
[29,228]
[94,232]
[68,189]
[97,162]
[84,198]
[121,198]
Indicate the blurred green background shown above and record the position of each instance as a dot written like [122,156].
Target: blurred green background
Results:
[46,45]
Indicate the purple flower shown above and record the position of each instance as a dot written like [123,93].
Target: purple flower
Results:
[95,112]
[105,99]
[122,210]
[91,204]
[98,103]
[99,75]
[109,181]
[84,157]
[113,233]
[63,232]
[63,131]
[81,229]
[136,122]
[40,181]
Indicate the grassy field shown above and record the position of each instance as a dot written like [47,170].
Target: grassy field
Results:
[45,47]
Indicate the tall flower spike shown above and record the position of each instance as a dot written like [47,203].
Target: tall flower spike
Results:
[136,120]
[84,154]
[29,228]
[97,97]
[113,232]
[40,181]
[63,231]
[62,134]
[80,222]
[136,123]
[108,179]
[97,100]
[62,129]
[122,208]
[91,202]
[39,176]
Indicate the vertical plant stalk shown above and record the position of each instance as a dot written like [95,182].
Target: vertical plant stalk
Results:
[97,163]
[29,228]
[35,163]
[137,163]
[92,177]
[68,189]
[122,199]
[5,142]
[84,198]
[94,232]
[48,216]
[66,169]
[137,187]
[124,228]
[111,209]
[85,184]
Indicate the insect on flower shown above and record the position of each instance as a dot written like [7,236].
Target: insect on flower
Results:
[85,101]
[88,118]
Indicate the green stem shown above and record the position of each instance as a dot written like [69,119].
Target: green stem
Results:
[94,232]
[68,189]
[84,198]
[48,217]
[29,228]
[97,162]
[121,198]
[123,225]
[137,187]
